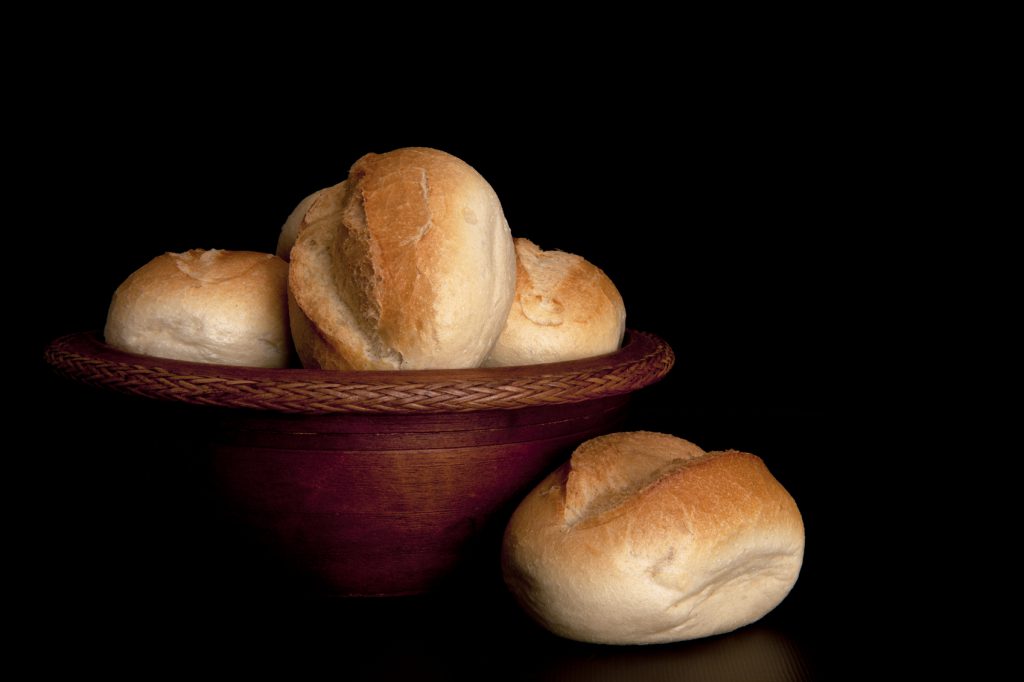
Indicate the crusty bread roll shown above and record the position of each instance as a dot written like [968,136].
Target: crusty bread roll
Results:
[644,538]
[323,204]
[416,271]
[565,308]
[223,307]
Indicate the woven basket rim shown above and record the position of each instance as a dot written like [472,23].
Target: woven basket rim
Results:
[642,360]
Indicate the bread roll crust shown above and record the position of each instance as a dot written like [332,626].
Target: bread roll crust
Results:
[645,538]
[211,306]
[418,268]
[322,205]
[326,332]
[565,308]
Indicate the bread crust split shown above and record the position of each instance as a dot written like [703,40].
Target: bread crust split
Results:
[413,267]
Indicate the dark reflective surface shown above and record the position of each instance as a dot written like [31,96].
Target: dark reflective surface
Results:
[753,653]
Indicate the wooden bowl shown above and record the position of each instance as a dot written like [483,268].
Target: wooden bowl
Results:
[381,483]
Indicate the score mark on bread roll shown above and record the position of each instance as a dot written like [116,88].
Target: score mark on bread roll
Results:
[645,538]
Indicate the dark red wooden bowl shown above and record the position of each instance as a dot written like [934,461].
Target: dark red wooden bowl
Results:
[381,483]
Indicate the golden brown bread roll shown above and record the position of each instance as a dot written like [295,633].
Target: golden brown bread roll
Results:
[323,204]
[415,270]
[223,307]
[644,538]
[565,308]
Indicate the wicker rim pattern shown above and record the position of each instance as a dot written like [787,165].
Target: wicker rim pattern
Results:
[643,360]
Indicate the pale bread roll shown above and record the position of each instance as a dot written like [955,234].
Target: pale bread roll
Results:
[565,308]
[221,307]
[644,538]
[323,204]
[416,271]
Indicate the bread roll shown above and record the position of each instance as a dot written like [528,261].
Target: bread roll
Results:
[644,538]
[565,308]
[323,204]
[222,307]
[416,270]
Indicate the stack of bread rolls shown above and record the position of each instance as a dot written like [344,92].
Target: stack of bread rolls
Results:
[409,263]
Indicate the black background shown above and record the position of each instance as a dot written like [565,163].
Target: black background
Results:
[741,226]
